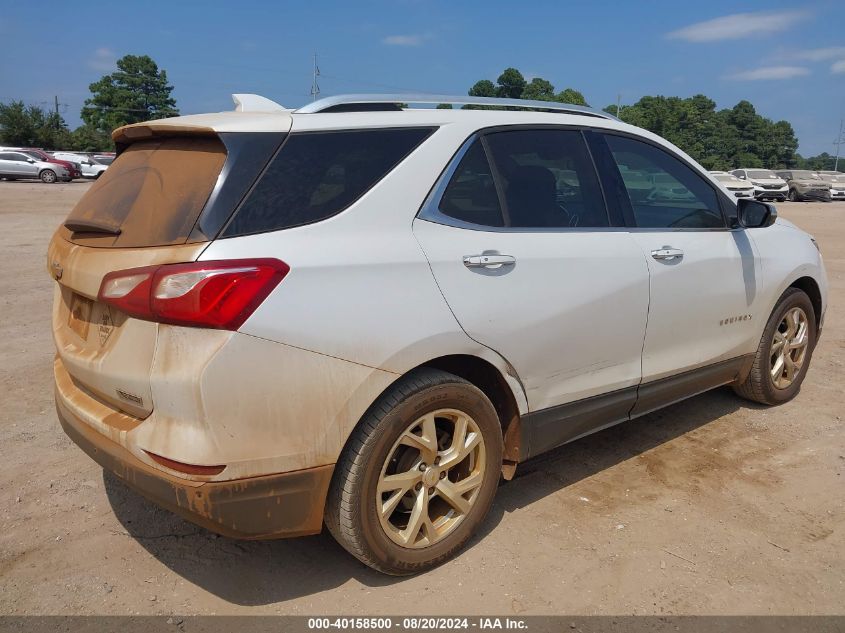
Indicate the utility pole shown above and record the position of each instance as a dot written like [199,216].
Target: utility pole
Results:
[618,104]
[839,141]
[315,87]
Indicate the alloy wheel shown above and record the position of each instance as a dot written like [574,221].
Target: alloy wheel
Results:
[431,478]
[789,347]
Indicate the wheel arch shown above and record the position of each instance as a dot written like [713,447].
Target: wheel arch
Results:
[504,391]
[811,288]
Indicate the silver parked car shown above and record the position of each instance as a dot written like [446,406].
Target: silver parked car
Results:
[17,165]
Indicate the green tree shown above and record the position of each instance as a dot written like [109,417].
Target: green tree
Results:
[16,125]
[570,95]
[31,126]
[137,91]
[87,138]
[538,89]
[483,88]
[510,84]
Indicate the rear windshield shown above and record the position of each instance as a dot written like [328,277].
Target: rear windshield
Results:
[317,175]
[153,193]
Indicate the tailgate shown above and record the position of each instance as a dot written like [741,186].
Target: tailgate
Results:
[106,353]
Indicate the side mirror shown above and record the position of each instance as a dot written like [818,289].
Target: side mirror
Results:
[753,214]
[30,160]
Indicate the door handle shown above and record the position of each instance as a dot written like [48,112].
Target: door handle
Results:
[488,261]
[667,252]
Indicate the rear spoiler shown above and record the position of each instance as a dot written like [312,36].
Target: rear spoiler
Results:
[128,134]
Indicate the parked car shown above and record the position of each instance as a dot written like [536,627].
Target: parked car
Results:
[837,183]
[739,188]
[70,168]
[89,166]
[20,166]
[805,185]
[365,316]
[767,184]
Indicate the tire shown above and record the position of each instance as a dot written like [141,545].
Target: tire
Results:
[760,384]
[380,447]
[793,195]
[48,176]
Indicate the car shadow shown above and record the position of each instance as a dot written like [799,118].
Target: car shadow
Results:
[252,573]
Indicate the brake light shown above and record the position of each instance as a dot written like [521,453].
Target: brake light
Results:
[218,294]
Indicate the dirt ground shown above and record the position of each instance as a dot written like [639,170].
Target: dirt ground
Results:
[712,506]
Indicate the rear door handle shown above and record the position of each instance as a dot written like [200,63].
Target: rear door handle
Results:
[488,261]
[667,252]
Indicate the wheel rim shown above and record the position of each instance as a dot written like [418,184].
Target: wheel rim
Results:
[789,347]
[431,478]
[48,176]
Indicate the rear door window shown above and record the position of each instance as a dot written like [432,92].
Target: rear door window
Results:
[548,179]
[317,175]
[152,195]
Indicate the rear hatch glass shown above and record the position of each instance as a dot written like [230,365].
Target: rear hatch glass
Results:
[151,195]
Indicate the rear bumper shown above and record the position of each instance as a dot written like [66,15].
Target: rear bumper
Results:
[271,506]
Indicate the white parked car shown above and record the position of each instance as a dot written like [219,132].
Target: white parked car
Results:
[836,180]
[16,165]
[89,166]
[737,187]
[364,316]
[767,184]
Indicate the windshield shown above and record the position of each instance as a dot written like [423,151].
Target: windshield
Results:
[803,174]
[104,160]
[760,174]
[832,177]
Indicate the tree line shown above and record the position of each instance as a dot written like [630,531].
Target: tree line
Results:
[719,139]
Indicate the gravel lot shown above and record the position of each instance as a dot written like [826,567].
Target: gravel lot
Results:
[711,506]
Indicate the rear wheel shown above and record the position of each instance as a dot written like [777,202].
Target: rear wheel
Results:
[783,355]
[793,195]
[48,176]
[418,474]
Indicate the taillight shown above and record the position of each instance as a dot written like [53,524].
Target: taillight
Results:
[219,294]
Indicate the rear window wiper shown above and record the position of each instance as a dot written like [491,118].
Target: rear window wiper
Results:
[92,226]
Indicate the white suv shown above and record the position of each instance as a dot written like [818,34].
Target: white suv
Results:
[363,315]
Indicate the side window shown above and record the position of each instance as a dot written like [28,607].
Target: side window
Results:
[317,175]
[471,193]
[664,192]
[548,179]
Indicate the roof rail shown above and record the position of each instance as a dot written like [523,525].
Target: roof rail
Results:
[343,102]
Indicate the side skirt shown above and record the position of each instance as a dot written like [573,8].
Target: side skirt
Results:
[549,428]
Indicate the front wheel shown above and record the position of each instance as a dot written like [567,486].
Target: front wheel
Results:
[48,176]
[418,474]
[783,355]
[793,195]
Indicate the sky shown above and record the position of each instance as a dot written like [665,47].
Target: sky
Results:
[787,58]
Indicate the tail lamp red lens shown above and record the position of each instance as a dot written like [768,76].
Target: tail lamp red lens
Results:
[216,294]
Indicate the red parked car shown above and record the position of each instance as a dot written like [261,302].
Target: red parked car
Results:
[40,154]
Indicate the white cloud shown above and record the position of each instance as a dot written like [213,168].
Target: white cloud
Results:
[817,54]
[103,59]
[838,67]
[404,40]
[770,72]
[739,25]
